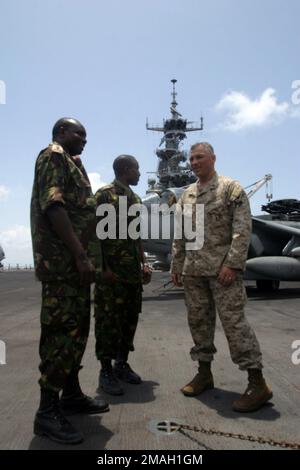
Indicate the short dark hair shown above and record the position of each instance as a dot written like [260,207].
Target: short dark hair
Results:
[66,123]
[122,162]
[206,145]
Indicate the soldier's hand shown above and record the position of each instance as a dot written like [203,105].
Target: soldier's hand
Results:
[146,274]
[146,268]
[85,268]
[226,276]
[77,160]
[177,279]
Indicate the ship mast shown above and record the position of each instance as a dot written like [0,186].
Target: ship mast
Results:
[173,169]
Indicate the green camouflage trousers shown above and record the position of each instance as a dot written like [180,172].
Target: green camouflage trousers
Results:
[203,296]
[117,309]
[65,323]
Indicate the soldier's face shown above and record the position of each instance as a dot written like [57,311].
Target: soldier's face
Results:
[202,162]
[74,139]
[133,174]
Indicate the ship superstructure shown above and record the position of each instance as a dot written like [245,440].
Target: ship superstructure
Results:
[173,168]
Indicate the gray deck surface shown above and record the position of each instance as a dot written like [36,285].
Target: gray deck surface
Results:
[162,358]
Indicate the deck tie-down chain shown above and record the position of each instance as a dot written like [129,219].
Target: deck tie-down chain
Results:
[242,437]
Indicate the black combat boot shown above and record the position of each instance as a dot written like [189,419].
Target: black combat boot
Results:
[74,401]
[123,370]
[50,422]
[108,382]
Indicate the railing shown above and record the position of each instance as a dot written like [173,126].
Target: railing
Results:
[17,267]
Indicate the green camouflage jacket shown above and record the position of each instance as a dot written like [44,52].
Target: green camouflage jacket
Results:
[121,256]
[58,179]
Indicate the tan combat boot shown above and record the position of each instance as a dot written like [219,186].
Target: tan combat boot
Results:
[202,381]
[256,395]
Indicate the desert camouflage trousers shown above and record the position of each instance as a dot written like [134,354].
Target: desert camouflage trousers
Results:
[65,323]
[117,308]
[203,296]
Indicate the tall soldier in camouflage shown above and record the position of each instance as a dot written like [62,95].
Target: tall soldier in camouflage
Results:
[63,226]
[118,301]
[213,278]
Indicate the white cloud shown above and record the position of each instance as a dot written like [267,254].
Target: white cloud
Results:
[295,112]
[16,243]
[241,112]
[96,182]
[4,192]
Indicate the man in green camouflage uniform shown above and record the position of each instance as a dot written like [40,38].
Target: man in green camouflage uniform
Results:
[213,278]
[118,301]
[63,226]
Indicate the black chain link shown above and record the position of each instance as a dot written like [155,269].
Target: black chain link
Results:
[194,439]
[242,437]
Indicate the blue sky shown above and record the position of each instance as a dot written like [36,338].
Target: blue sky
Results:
[109,64]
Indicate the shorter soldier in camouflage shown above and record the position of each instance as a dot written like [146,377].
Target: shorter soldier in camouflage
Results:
[213,278]
[118,291]
[63,226]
